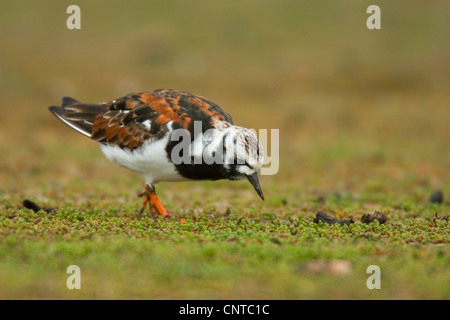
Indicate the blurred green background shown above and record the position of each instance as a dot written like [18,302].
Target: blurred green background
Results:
[360,111]
[311,69]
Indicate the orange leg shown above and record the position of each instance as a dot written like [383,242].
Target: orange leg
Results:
[156,207]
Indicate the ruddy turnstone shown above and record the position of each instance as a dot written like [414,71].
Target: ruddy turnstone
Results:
[167,135]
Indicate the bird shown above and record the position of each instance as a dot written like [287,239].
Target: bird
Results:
[167,135]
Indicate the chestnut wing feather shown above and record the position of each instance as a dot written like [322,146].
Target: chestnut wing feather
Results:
[137,117]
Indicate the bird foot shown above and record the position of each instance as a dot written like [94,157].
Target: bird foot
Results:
[156,207]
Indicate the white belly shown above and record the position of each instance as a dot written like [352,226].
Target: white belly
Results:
[149,160]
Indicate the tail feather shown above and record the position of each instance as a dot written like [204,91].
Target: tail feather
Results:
[77,115]
[67,101]
[86,108]
[80,116]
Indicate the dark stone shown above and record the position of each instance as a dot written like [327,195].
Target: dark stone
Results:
[33,206]
[436,197]
[325,218]
[371,217]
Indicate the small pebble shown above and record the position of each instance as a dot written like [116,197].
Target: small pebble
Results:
[436,197]
[371,217]
[33,206]
[325,218]
[335,267]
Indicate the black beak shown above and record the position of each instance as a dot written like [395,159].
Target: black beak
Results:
[255,183]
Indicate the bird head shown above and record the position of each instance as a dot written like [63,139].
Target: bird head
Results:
[243,156]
